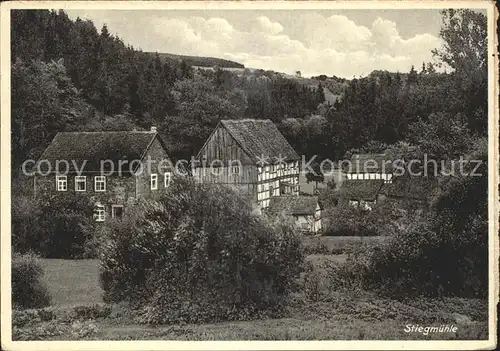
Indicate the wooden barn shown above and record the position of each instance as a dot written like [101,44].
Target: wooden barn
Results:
[252,156]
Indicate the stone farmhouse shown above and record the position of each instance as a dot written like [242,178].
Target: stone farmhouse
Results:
[111,167]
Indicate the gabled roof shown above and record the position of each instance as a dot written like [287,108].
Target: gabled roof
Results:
[367,189]
[260,138]
[94,147]
[292,205]
[370,163]
[412,188]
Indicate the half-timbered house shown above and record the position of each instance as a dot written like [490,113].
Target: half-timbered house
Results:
[369,167]
[250,155]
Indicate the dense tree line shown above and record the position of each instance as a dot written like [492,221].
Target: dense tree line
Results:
[93,81]
[67,75]
[86,77]
[421,107]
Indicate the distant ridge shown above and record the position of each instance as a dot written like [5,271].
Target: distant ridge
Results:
[201,61]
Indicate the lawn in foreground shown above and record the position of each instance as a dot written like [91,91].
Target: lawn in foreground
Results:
[72,282]
[344,244]
[340,316]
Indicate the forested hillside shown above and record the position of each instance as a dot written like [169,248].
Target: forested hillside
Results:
[68,75]
[201,61]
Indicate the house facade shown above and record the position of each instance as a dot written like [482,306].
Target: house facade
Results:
[252,156]
[305,211]
[114,168]
[369,167]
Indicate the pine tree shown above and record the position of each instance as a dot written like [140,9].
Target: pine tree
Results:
[430,68]
[320,95]
[412,76]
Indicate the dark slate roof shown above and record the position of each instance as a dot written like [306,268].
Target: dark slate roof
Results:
[260,138]
[95,147]
[369,163]
[368,189]
[413,188]
[292,205]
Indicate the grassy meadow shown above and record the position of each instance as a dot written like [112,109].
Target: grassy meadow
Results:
[335,315]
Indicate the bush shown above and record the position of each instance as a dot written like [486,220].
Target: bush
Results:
[314,284]
[199,254]
[329,197]
[346,220]
[57,226]
[92,312]
[314,247]
[385,219]
[446,253]
[28,290]
[443,254]
[26,233]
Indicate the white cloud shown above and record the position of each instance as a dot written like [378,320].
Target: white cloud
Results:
[265,25]
[332,45]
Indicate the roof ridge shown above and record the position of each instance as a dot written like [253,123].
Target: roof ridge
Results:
[365,181]
[246,120]
[370,153]
[108,131]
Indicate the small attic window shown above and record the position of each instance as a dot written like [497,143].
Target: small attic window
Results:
[154,181]
[167,178]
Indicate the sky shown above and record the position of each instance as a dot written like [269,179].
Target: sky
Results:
[344,43]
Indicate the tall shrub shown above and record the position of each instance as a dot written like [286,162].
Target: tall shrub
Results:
[26,232]
[446,253]
[28,290]
[199,254]
[55,226]
[347,220]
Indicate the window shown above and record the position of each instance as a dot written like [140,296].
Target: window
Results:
[117,211]
[100,213]
[154,181]
[167,177]
[235,170]
[80,183]
[62,183]
[99,183]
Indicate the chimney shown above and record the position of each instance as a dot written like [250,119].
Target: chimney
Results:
[153,129]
